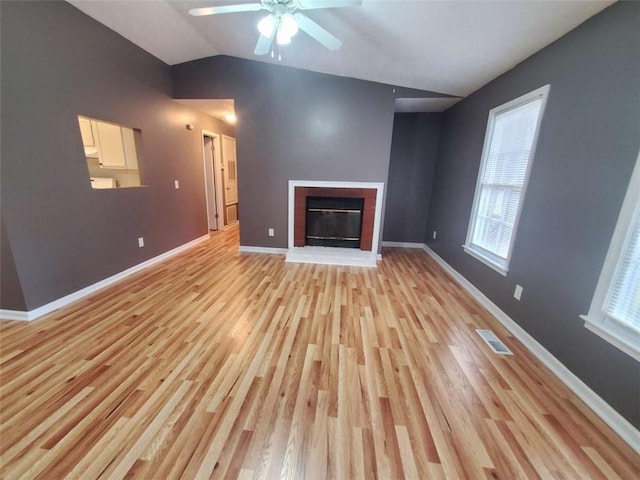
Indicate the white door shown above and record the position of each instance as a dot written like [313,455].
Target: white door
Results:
[230,170]
[209,183]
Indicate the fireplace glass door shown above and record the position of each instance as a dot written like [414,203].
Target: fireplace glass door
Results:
[334,222]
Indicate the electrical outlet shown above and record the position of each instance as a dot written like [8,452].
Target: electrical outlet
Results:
[517,293]
[140,242]
[271,232]
[434,234]
[176,184]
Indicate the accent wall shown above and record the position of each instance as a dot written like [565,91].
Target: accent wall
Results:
[414,150]
[294,125]
[587,147]
[59,235]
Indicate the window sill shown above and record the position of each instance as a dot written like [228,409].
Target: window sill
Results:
[624,339]
[486,260]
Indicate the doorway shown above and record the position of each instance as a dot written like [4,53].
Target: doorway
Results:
[230,179]
[212,162]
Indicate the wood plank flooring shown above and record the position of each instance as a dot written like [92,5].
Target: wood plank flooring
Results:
[216,364]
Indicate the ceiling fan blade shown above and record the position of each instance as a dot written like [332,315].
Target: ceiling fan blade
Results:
[264,44]
[316,32]
[245,7]
[313,4]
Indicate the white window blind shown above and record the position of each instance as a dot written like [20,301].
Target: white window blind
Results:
[623,303]
[508,151]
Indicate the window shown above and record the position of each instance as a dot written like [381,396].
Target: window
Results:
[615,308]
[509,147]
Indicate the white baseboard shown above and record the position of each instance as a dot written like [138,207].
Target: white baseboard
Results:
[269,250]
[72,297]
[617,422]
[402,244]
[14,315]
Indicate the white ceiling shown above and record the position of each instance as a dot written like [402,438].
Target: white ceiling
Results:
[452,47]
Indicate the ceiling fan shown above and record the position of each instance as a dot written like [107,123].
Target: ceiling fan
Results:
[283,20]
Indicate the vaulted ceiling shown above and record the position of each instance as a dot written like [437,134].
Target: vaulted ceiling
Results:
[453,47]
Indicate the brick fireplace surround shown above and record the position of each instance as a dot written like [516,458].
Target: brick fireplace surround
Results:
[368,212]
[371,222]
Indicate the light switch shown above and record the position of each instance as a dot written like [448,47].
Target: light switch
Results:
[517,293]
[176,183]
[140,242]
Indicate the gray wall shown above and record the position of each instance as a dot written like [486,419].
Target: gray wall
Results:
[587,147]
[414,149]
[293,125]
[60,234]
[10,288]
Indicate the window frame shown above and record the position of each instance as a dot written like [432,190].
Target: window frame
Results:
[617,333]
[487,257]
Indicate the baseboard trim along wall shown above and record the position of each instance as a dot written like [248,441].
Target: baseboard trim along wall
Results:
[617,422]
[75,296]
[402,244]
[269,250]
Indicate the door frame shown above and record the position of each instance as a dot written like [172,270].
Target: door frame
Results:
[217,176]
[225,174]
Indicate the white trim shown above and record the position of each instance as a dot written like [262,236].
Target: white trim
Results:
[75,296]
[14,315]
[498,264]
[486,260]
[401,244]
[617,422]
[377,220]
[617,335]
[268,250]
[217,181]
[596,321]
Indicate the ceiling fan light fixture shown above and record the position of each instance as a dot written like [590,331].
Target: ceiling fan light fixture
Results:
[282,38]
[288,25]
[267,25]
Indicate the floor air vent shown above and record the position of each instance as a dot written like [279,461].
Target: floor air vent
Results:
[494,342]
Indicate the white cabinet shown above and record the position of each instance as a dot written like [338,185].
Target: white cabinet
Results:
[117,146]
[112,158]
[89,134]
[88,139]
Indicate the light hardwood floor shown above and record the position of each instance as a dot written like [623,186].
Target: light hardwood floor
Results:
[217,364]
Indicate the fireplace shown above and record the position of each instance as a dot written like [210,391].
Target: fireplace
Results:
[334,222]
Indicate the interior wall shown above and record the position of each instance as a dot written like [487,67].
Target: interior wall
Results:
[293,125]
[10,287]
[414,149]
[587,148]
[58,63]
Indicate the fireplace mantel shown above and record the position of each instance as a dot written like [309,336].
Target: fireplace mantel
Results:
[366,256]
